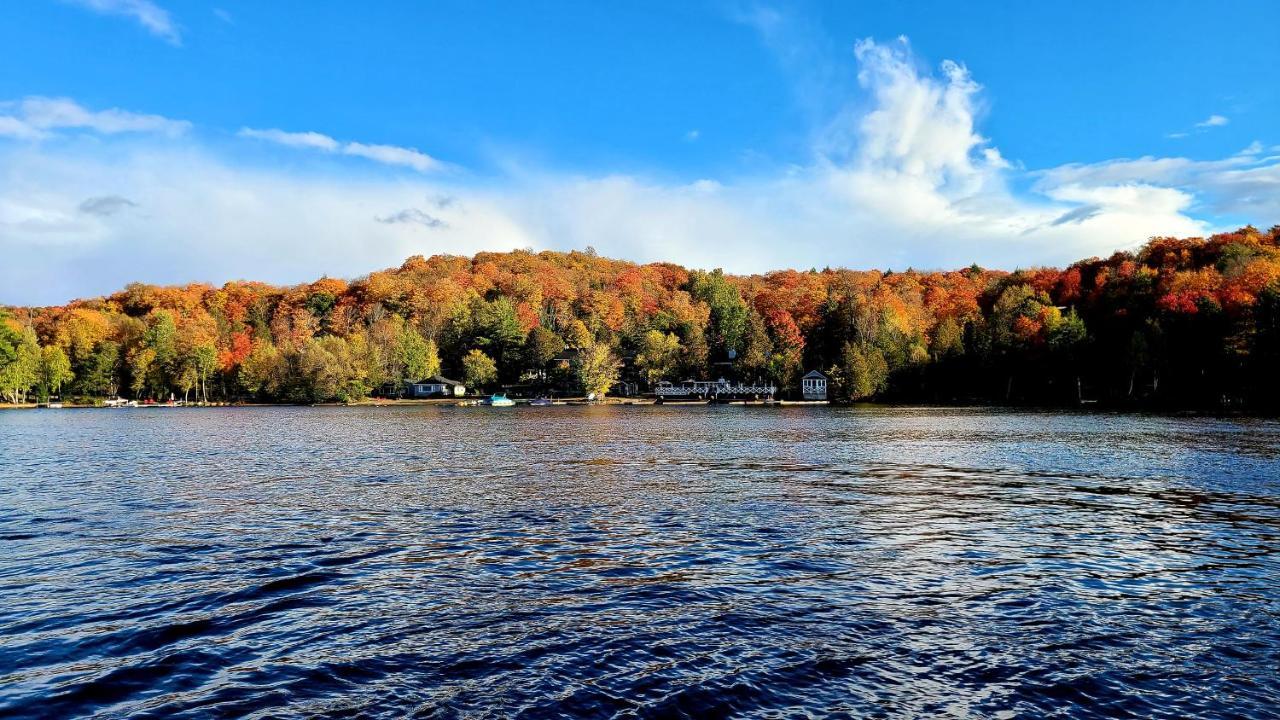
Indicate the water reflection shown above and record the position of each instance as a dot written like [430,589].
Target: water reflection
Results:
[637,561]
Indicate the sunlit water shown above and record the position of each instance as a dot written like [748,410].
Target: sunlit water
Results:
[637,561]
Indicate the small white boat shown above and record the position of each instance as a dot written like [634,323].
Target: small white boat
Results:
[499,400]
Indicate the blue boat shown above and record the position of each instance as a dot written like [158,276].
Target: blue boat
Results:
[500,400]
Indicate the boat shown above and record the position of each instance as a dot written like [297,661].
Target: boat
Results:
[541,402]
[499,400]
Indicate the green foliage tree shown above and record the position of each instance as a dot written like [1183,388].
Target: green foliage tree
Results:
[55,371]
[418,356]
[753,360]
[948,339]
[860,375]
[728,310]
[658,356]
[157,361]
[597,369]
[259,373]
[478,370]
[205,361]
[101,370]
[696,354]
[496,329]
[541,346]
[19,362]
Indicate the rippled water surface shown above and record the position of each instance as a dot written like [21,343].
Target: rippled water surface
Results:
[637,561]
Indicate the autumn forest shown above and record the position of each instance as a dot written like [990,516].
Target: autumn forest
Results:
[1180,323]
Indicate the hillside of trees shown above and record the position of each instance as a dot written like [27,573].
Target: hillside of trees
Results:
[1181,323]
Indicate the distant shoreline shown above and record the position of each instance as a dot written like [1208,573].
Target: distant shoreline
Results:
[1100,410]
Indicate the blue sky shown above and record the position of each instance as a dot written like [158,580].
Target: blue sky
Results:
[172,141]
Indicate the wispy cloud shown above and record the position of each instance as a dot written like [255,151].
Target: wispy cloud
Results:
[1213,121]
[413,215]
[106,205]
[35,118]
[313,140]
[394,155]
[386,154]
[224,16]
[154,18]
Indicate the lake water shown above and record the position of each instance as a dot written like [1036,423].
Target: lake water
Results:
[637,561]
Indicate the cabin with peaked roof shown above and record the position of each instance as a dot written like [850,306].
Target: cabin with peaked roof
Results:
[813,386]
[434,386]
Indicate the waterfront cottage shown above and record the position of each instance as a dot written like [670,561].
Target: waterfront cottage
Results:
[435,386]
[814,385]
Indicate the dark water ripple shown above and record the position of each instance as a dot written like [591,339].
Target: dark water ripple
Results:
[637,562]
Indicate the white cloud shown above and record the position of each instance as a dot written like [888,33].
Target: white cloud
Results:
[34,118]
[313,140]
[385,154]
[1205,125]
[13,127]
[154,18]
[393,155]
[1243,184]
[200,217]
[906,180]
[692,135]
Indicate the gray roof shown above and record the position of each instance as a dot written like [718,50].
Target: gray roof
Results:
[437,380]
[815,374]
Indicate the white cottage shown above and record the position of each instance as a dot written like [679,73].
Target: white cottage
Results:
[434,387]
[814,385]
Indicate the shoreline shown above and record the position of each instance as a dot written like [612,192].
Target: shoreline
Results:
[1092,409]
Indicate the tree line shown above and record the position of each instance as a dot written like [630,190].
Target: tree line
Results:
[1178,323]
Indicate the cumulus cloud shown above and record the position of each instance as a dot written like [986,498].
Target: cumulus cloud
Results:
[385,154]
[1243,184]
[36,118]
[154,18]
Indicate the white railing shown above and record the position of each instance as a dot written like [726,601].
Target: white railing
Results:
[709,389]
